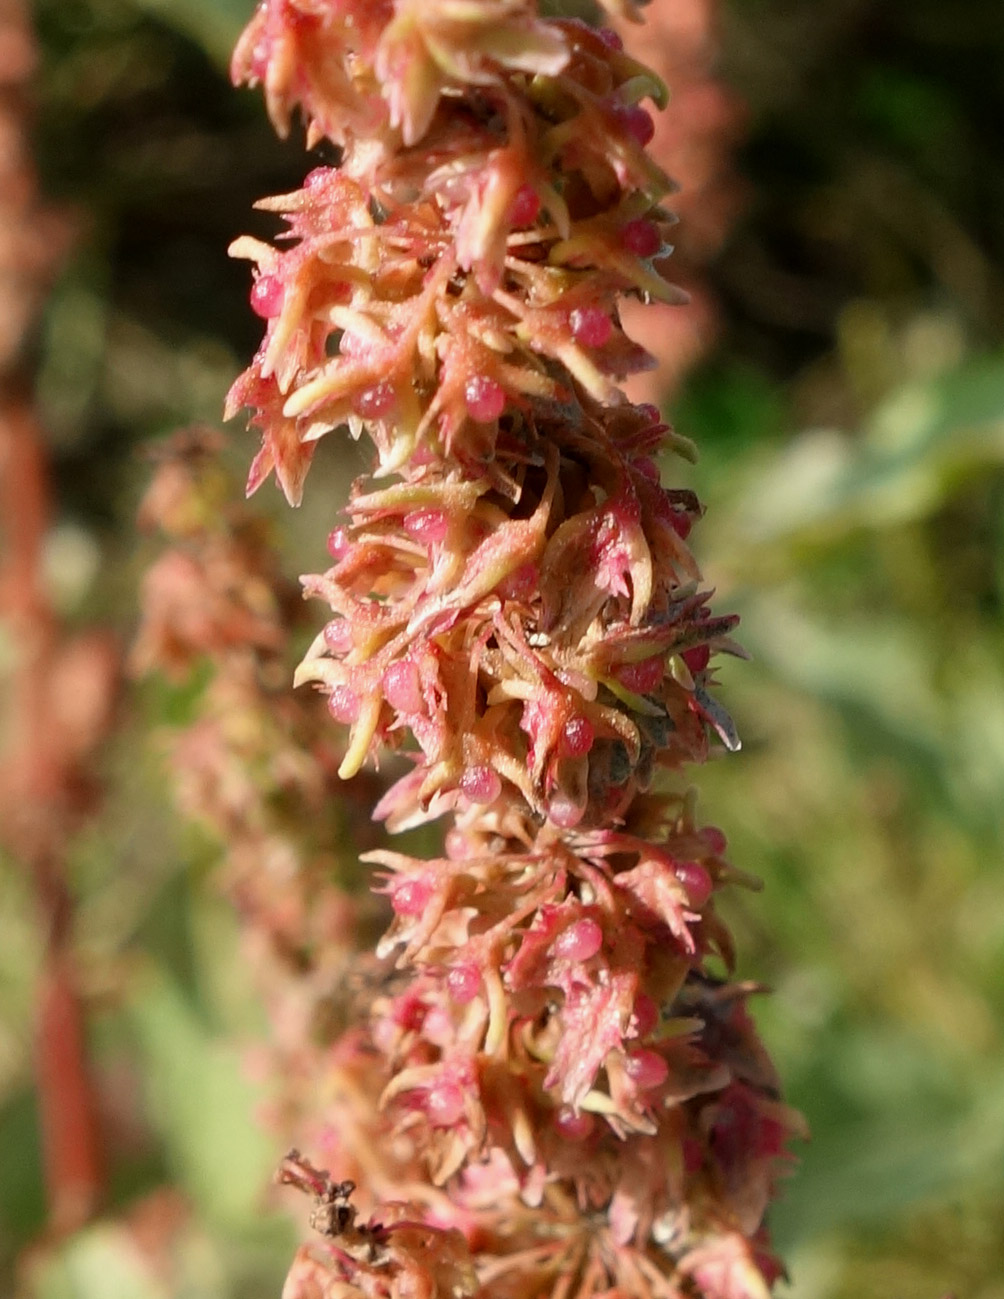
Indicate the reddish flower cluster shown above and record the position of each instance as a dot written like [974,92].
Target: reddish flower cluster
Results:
[549,1091]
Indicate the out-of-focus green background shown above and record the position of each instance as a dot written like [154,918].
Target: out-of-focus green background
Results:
[851,424]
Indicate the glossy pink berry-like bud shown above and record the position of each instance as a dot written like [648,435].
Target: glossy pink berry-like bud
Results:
[402,687]
[697,659]
[644,1016]
[579,942]
[338,636]
[642,677]
[638,124]
[610,38]
[372,403]
[410,897]
[343,704]
[646,1069]
[481,784]
[267,295]
[464,983]
[577,737]
[444,1104]
[641,237]
[525,207]
[715,841]
[574,1126]
[591,326]
[427,526]
[339,543]
[485,399]
[696,881]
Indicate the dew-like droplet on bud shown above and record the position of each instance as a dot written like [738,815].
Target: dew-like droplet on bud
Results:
[697,659]
[525,207]
[579,942]
[374,402]
[696,881]
[410,896]
[338,636]
[464,983]
[642,677]
[480,784]
[338,543]
[485,399]
[267,294]
[574,1127]
[402,687]
[426,526]
[646,1069]
[645,1015]
[641,237]
[591,326]
[444,1104]
[577,737]
[343,704]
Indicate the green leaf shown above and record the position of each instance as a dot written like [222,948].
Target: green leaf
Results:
[202,1103]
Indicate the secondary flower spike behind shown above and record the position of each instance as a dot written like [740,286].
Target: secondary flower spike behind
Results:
[549,1092]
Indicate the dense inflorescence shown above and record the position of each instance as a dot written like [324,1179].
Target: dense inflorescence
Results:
[548,1088]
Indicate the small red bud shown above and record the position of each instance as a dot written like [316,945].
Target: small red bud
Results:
[485,399]
[641,237]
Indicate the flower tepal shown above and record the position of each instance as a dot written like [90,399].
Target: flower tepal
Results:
[550,1073]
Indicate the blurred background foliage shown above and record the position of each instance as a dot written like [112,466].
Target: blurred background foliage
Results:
[851,426]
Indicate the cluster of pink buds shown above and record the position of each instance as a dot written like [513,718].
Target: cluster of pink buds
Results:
[550,1090]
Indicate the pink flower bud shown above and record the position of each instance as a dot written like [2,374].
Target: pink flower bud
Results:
[525,207]
[485,399]
[444,1104]
[426,526]
[343,704]
[591,326]
[572,1126]
[646,1069]
[374,402]
[610,38]
[338,636]
[402,687]
[338,543]
[641,237]
[637,123]
[267,294]
[410,896]
[696,881]
[715,840]
[464,983]
[480,784]
[579,942]
[642,677]
[645,1015]
[697,658]
[577,737]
